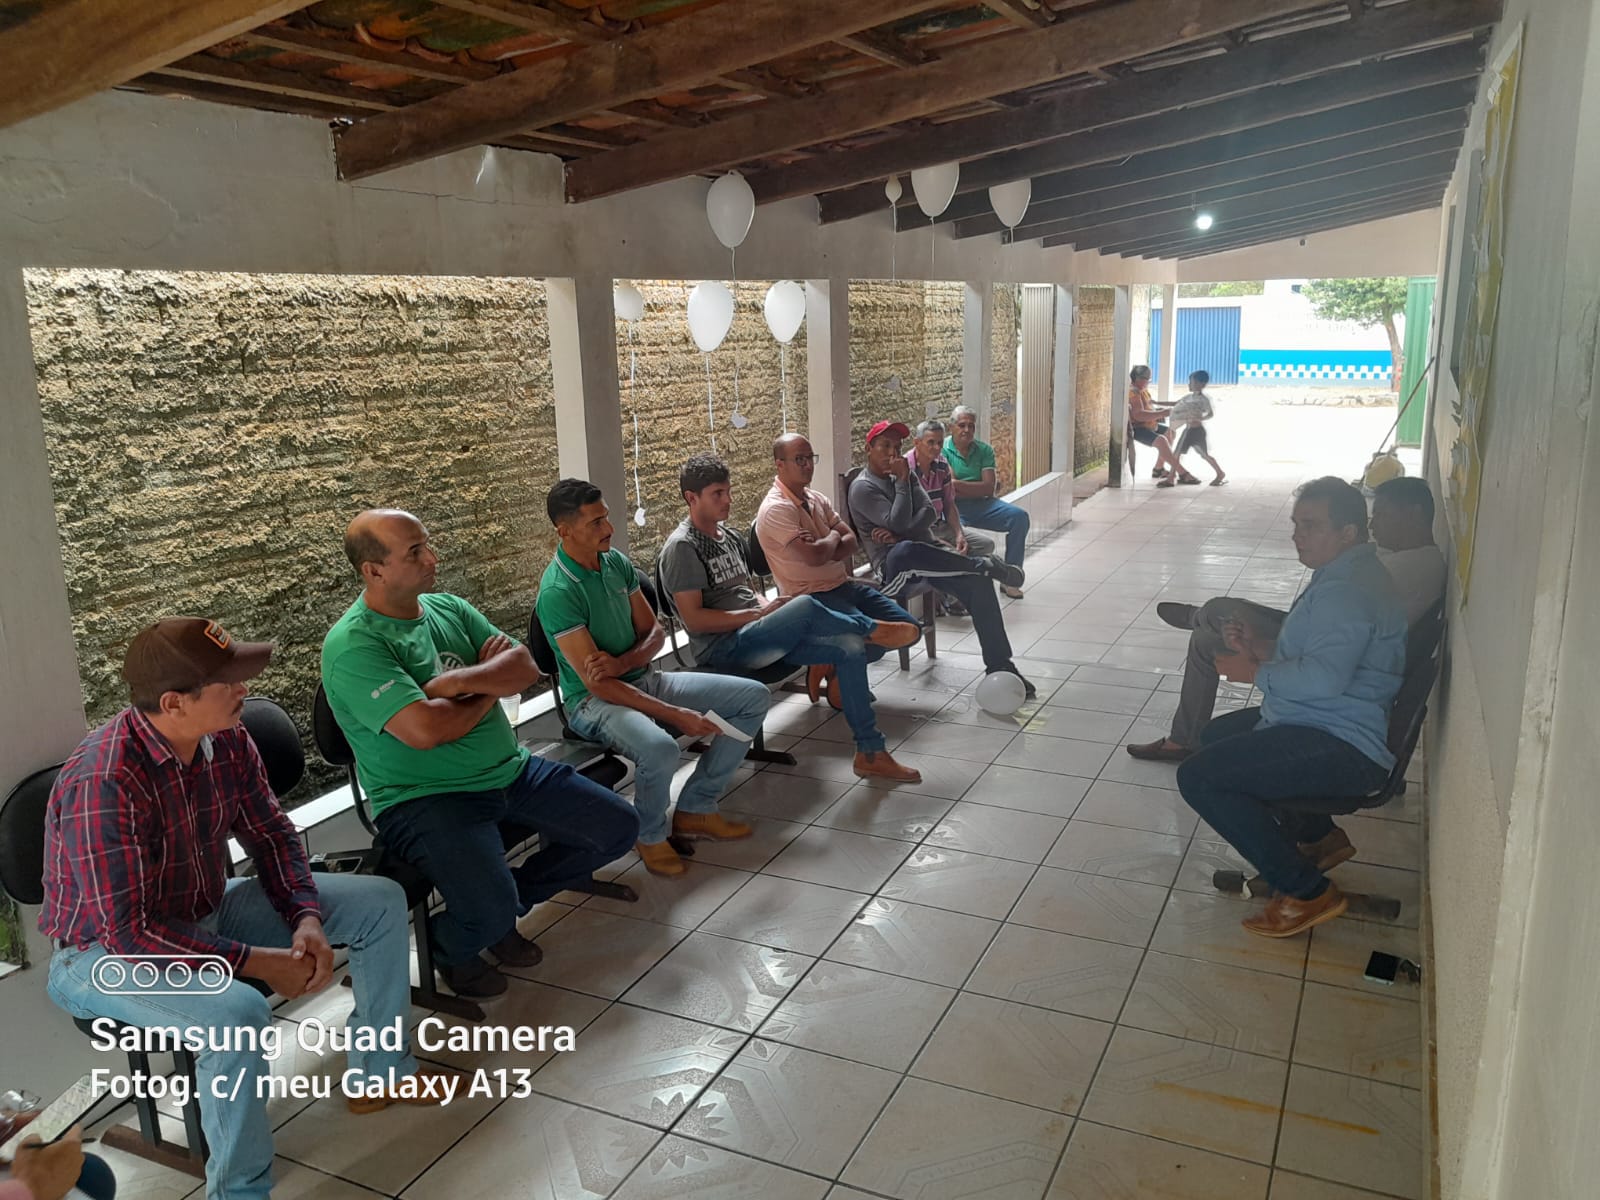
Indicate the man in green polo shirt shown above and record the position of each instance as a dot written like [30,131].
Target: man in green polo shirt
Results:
[976,481]
[414,678]
[606,637]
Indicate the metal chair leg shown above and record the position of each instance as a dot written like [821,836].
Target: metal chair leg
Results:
[758,752]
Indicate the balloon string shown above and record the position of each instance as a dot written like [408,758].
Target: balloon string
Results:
[736,351]
[783,383]
[933,245]
[633,366]
[711,416]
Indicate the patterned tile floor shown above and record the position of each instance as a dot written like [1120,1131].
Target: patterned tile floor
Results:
[1012,981]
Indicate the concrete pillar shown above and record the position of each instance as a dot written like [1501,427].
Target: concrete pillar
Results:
[977,326]
[1121,364]
[583,361]
[1169,341]
[828,381]
[1064,383]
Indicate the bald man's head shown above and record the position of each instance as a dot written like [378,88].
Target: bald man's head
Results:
[794,460]
[789,443]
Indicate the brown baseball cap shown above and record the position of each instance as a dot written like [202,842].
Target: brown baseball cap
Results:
[181,654]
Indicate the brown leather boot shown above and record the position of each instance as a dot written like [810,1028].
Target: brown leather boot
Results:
[659,858]
[1285,916]
[712,826]
[422,1087]
[881,765]
[1330,851]
[895,634]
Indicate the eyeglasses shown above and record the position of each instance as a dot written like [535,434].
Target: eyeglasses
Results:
[805,460]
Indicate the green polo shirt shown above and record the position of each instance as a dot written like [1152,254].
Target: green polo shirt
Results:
[373,666]
[573,597]
[970,469]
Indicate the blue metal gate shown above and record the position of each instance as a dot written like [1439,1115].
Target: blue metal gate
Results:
[1208,340]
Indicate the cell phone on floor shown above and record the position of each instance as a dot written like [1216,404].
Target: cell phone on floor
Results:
[60,1115]
[1382,968]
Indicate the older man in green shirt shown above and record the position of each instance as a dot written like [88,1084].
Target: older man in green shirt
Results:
[414,678]
[972,463]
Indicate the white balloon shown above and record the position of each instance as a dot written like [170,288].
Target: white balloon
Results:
[785,309]
[638,517]
[1010,201]
[628,301]
[893,190]
[933,187]
[730,207]
[1000,694]
[710,315]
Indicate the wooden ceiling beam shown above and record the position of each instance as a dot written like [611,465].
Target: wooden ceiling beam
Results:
[1396,164]
[886,48]
[1375,121]
[63,51]
[343,50]
[1023,14]
[1120,142]
[1104,206]
[1240,212]
[708,42]
[972,72]
[1272,62]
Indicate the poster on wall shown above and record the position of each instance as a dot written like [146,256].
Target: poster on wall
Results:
[1482,262]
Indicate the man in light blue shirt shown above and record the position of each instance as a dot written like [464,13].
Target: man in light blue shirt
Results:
[1327,684]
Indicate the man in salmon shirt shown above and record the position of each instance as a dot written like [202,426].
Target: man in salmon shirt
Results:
[809,546]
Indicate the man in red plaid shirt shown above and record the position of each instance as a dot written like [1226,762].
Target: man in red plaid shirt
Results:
[135,864]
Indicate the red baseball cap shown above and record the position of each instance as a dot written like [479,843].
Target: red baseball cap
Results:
[184,653]
[898,428]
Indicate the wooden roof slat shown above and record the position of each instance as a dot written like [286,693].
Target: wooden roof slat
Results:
[886,48]
[74,48]
[344,50]
[1402,162]
[1023,14]
[707,42]
[534,18]
[253,77]
[987,68]
[1325,156]
[1237,73]
[1368,122]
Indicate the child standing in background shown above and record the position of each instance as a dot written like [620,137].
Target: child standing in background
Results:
[1192,412]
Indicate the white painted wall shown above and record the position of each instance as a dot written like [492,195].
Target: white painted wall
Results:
[1511,751]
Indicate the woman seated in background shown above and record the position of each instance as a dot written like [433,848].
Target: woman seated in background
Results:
[1144,419]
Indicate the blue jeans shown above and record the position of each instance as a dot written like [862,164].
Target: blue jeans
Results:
[808,632]
[856,597]
[998,515]
[654,750]
[1264,790]
[364,912]
[454,839]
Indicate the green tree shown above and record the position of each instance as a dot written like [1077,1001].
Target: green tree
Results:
[1236,288]
[1366,302]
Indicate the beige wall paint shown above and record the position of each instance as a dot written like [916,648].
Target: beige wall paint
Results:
[1394,246]
[1511,748]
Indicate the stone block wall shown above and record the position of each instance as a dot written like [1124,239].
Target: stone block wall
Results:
[1003,341]
[210,435]
[668,394]
[1092,348]
[910,330]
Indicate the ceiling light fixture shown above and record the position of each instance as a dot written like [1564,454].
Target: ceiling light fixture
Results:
[1203,221]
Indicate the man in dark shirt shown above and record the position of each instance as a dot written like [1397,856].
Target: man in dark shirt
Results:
[894,516]
[136,839]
